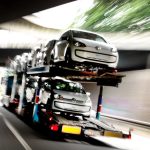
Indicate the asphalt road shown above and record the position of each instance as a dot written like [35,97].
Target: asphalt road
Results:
[17,134]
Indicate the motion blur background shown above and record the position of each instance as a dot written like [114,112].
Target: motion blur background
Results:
[125,23]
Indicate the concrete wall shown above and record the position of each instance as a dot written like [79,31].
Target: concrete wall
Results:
[131,99]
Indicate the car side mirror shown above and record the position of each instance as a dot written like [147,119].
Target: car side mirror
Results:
[88,93]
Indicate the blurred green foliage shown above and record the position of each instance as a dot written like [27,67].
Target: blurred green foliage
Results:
[116,15]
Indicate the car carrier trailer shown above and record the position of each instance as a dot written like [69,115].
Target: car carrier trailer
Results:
[61,122]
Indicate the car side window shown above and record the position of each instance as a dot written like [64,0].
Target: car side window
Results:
[100,39]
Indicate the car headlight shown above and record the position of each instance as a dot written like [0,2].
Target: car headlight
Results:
[79,44]
[88,100]
[57,96]
[114,49]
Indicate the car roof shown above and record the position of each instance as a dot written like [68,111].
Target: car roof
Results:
[58,78]
[80,30]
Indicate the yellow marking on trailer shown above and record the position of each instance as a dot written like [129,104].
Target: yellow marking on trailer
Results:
[71,129]
[113,134]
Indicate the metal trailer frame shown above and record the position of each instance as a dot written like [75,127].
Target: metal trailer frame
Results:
[75,125]
[102,78]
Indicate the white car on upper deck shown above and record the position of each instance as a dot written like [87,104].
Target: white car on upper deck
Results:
[84,48]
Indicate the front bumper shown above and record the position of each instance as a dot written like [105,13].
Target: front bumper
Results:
[71,108]
[110,60]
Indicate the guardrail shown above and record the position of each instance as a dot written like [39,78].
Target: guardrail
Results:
[138,122]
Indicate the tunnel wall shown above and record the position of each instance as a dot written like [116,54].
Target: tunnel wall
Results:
[131,99]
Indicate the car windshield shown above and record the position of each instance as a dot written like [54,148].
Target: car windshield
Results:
[68,86]
[89,36]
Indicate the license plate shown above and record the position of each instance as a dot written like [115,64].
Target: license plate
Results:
[71,129]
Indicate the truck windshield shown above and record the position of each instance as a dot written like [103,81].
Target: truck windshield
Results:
[69,86]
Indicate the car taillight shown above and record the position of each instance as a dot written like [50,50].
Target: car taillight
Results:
[54,127]
[79,44]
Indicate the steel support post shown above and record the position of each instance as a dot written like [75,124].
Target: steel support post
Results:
[13,92]
[99,104]
[22,94]
[36,103]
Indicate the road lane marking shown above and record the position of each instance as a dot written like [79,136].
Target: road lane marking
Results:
[16,134]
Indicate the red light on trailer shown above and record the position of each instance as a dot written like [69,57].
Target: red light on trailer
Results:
[130,130]
[129,136]
[54,127]
[37,99]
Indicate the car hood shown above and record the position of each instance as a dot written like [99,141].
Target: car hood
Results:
[72,95]
[96,44]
